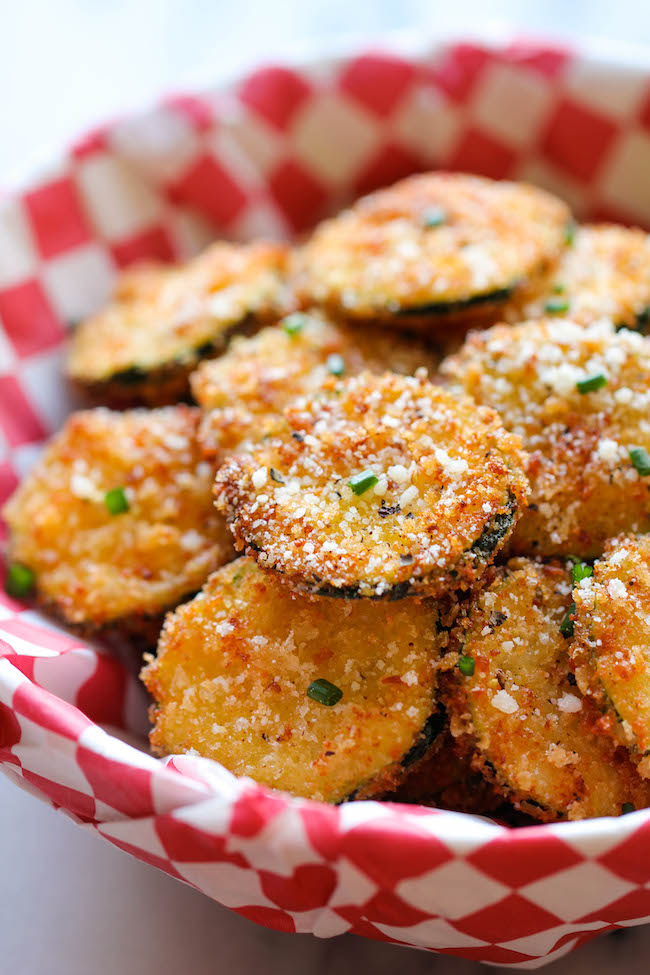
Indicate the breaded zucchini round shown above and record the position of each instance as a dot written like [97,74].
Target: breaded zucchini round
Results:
[513,705]
[432,248]
[245,389]
[382,486]
[116,519]
[164,319]
[605,273]
[330,701]
[578,397]
[611,648]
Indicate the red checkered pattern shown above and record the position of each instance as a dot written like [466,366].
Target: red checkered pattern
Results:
[271,155]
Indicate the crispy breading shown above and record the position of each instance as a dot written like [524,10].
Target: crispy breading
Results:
[605,273]
[517,710]
[243,391]
[611,648]
[578,398]
[434,247]
[381,486]
[164,319]
[94,567]
[234,667]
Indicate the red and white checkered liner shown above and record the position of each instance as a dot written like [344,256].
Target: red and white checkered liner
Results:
[270,155]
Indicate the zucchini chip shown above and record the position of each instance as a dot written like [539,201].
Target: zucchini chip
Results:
[164,319]
[514,706]
[382,486]
[578,397]
[329,701]
[243,391]
[605,273]
[434,248]
[611,649]
[115,523]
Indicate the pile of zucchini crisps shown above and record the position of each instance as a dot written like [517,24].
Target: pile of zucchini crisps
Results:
[417,536]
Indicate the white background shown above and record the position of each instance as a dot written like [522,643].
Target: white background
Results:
[69,904]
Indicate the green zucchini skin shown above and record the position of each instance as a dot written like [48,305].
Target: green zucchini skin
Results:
[445,308]
[496,531]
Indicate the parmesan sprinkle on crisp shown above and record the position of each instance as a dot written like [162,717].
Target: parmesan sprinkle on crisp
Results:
[503,701]
[260,477]
[616,589]
[569,703]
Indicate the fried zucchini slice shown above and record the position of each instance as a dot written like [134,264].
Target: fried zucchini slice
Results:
[382,486]
[605,273]
[610,652]
[234,681]
[578,397]
[164,319]
[116,519]
[243,391]
[434,248]
[514,707]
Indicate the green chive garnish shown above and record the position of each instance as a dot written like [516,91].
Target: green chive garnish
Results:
[335,364]
[294,324]
[570,234]
[641,460]
[323,692]
[466,665]
[116,501]
[580,571]
[591,384]
[627,807]
[19,581]
[559,288]
[362,482]
[433,217]
[556,306]
[566,626]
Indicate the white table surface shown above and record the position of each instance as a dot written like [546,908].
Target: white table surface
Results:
[70,904]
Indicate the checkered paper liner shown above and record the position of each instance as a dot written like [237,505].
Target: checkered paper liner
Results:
[271,154]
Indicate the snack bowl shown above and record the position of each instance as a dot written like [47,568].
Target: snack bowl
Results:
[269,155]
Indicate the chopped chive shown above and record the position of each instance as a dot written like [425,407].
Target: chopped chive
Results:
[294,324]
[324,692]
[566,626]
[433,217]
[466,665]
[580,571]
[592,383]
[20,580]
[570,234]
[362,482]
[556,306]
[559,288]
[641,460]
[276,476]
[626,808]
[335,364]
[116,501]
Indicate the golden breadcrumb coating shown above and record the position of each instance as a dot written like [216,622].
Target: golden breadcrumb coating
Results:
[243,391]
[234,667]
[438,245]
[611,647]
[381,486]
[164,319]
[93,566]
[605,273]
[578,398]
[514,706]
